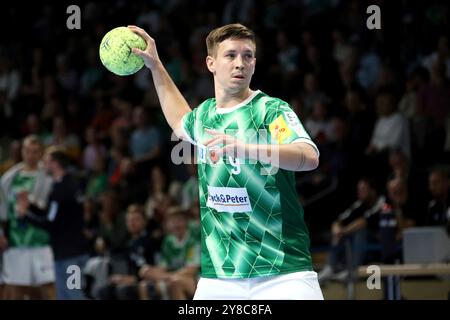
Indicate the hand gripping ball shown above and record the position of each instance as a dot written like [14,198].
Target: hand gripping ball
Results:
[115,51]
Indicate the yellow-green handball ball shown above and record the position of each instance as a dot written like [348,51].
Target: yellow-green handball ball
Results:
[115,51]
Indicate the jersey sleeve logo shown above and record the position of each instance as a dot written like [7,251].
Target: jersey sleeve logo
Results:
[294,123]
[279,130]
[292,118]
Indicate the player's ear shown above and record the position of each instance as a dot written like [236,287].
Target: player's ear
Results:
[210,64]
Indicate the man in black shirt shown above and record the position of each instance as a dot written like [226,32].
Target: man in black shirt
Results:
[63,218]
[438,213]
[358,226]
[140,251]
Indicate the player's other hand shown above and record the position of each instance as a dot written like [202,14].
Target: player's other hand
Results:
[230,146]
[150,54]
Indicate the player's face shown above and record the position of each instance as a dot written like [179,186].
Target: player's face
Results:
[233,65]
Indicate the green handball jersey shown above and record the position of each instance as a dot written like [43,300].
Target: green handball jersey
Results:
[22,233]
[251,219]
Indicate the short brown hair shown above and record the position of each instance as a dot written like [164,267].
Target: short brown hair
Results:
[230,31]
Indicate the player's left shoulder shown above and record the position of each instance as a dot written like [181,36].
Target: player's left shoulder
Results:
[276,104]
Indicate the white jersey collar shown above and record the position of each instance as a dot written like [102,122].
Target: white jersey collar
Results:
[243,103]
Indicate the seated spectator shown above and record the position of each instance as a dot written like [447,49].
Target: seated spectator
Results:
[391,128]
[397,215]
[358,224]
[175,275]
[391,132]
[109,241]
[438,213]
[112,233]
[415,179]
[140,251]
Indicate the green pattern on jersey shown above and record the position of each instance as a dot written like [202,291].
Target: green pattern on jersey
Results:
[267,234]
[22,233]
[176,255]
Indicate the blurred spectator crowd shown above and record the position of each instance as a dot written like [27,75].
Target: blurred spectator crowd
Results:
[376,102]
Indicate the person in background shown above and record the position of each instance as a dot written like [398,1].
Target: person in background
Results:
[438,213]
[140,251]
[357,224]
[62,217]
[28,266]
[175,276]
[396,216]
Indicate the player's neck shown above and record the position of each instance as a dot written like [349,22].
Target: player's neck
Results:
[226,99]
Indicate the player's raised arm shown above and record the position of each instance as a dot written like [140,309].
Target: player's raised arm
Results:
[173,104]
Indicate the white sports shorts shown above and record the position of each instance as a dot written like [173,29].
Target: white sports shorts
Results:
[28,266]
[292,286]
